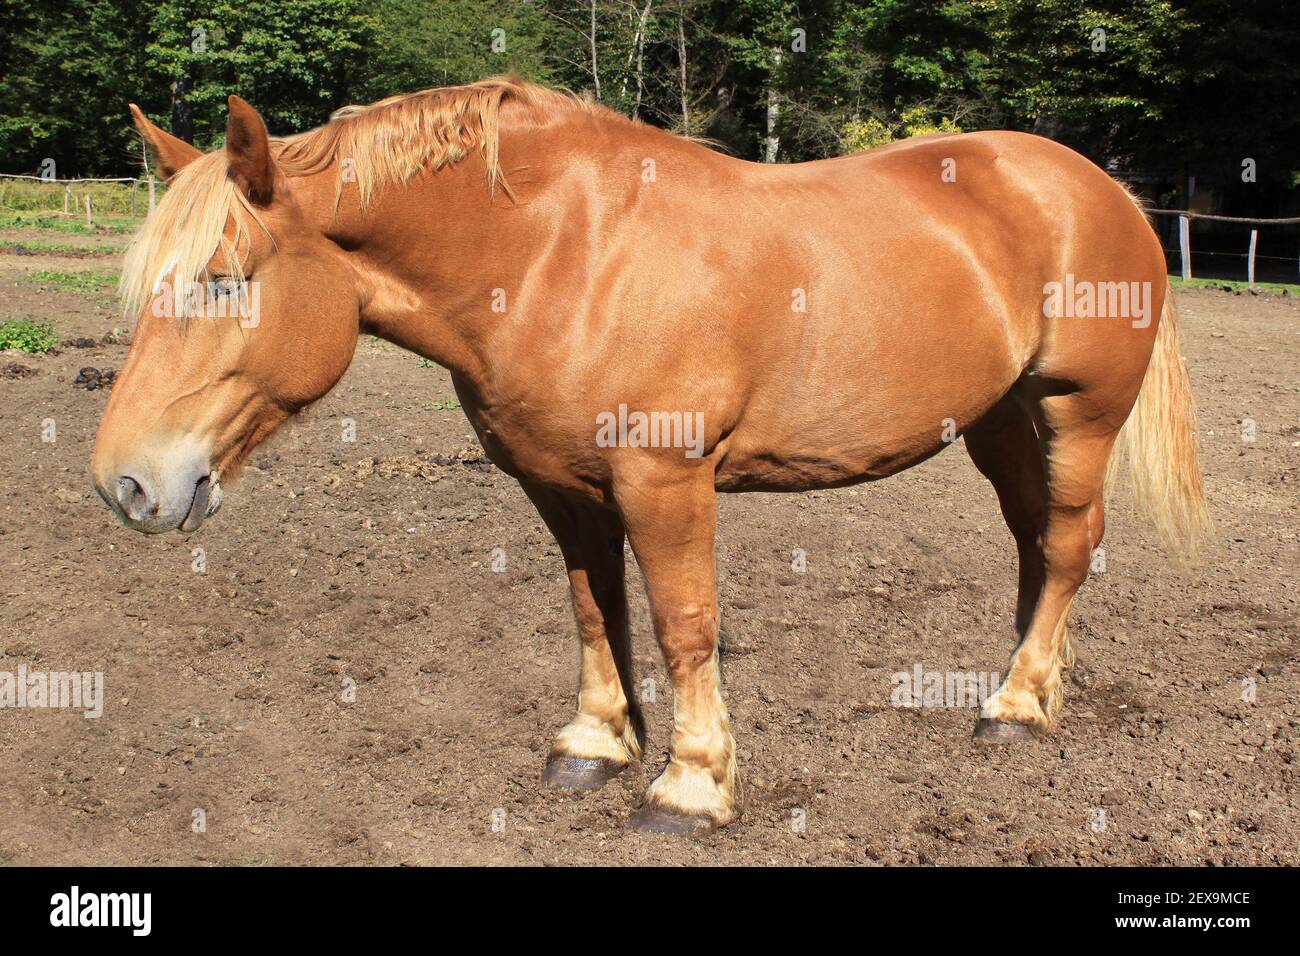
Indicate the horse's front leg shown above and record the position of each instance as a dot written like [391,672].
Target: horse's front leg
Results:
[670,513]
[606,734]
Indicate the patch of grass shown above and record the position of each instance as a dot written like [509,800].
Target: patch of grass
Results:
[69,224]
[106,199]
[86,283]
[28,335]
[56,248]
[1236,285]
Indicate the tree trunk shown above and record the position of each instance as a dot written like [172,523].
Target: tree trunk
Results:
[681,59]
[636,57]
[773,141]
[182,112]
[595,67]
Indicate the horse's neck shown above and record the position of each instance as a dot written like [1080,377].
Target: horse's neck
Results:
[436,262]
[443,262]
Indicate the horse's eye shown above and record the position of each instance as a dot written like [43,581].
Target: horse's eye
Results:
[225,285]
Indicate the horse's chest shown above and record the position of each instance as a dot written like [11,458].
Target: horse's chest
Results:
[493,432]
[519,439]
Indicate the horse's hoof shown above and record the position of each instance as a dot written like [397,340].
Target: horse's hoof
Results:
[579,773]
[1002,731]
[653,819]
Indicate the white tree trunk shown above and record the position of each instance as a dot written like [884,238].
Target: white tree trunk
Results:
[773,143]
[595,67]
[681,59]
[637,55]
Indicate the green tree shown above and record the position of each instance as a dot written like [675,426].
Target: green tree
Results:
[67,71]
[419,45]
[1155,85]
[1092,74]
[296,62]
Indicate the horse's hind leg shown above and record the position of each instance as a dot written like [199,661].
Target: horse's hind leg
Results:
[606,733]
[1053,504]
[1004,446]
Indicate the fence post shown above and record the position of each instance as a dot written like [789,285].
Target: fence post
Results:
[134,183]
[89,221]
[1185,245]
[67,196]
[1250,259]
[151,199]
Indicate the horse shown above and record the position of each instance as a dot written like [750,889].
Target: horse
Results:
[635,322]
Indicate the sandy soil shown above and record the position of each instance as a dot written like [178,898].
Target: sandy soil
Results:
[370,562]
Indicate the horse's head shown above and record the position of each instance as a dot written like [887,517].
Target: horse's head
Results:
[244,314]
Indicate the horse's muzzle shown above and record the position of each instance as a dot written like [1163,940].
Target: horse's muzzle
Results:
[151,503]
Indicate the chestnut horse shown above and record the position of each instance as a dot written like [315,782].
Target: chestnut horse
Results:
[635,322]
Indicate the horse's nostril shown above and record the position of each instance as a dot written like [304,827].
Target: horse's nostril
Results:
[131,496]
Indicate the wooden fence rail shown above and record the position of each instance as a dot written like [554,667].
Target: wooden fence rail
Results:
[1185,240]
[69,183]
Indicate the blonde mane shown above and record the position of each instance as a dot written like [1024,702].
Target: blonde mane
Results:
[376,146]
[388,142]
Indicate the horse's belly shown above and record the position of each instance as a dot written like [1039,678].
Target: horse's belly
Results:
[825,461]
[840,425]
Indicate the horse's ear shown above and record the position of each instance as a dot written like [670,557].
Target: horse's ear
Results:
[170,155]
[248,150]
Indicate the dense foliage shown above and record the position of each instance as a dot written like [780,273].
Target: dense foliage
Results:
[1161,85]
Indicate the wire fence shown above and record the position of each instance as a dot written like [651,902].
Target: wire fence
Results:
[1251,253]
[88,197]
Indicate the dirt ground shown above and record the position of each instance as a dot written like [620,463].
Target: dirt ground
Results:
[371,562]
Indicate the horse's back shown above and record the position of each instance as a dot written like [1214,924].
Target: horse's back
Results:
[922,270]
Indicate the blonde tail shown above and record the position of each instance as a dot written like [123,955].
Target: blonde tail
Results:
[1159,441]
